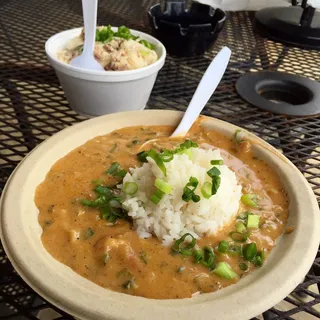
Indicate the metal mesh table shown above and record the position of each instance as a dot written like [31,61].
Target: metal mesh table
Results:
[33,107]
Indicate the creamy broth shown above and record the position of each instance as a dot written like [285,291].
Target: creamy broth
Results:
[76,235]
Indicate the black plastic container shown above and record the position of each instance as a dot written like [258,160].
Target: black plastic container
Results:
[295,26]
[186,32]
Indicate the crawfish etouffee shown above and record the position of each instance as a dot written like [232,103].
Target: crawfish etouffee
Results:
[138,212]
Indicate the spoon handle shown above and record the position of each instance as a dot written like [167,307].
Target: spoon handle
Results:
[205,89]
[89,8]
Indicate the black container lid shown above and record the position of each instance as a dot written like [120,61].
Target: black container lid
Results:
[291,25]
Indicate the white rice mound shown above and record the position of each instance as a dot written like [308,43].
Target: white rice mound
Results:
[173,217]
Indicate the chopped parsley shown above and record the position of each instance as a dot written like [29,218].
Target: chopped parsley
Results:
[106,34]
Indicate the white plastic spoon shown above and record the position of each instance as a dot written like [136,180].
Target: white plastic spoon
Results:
[205,89]
[86,60]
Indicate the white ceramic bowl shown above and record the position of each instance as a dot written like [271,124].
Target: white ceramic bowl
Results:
[288,263]
[93,93]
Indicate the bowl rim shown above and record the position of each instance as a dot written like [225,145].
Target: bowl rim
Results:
[285,276]
[66,34]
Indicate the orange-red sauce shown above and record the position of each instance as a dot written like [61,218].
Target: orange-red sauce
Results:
[66,222]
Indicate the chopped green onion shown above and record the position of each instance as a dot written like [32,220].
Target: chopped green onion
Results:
[249,199]
[157,196]
[147,44]
[206,190]
[243,266]
[198,255]
[214,174]
[130,188]
[249,251]
[157,159]
[188,193]
[253,221]
[234,249]
[240,227]
[124,32]
[195,198]
[106,34]
[223,270]
[121,173]
[155,199]
[166,155]
[112,214]
[214,171]
[93,203]
[102,190]
[113,168]
[258,259]
[88,234]
[163,186]
[204,256]
[108,202]
[142,156]
[187,249]
[261,253]
[238,237]
[144,53]
[90,203]
[216,162]
[208,259]
[216,180]
[223,246]
[185,145]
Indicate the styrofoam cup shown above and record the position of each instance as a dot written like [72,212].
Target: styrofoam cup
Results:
[94,93]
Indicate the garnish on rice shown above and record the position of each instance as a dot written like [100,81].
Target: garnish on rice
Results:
[180,218]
